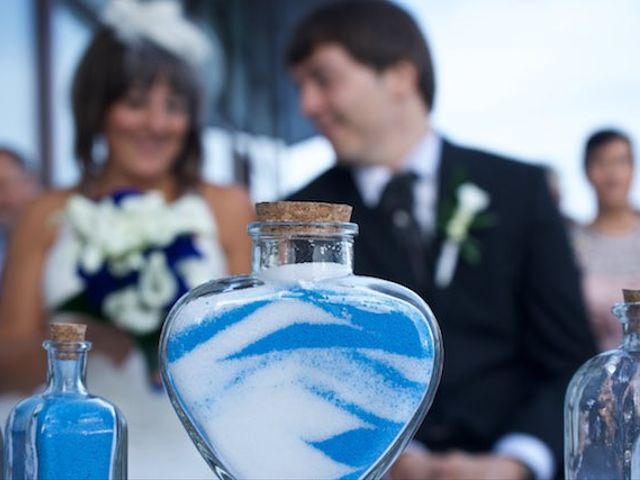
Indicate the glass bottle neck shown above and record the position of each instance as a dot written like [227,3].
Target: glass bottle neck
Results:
[631,335]
[629,315]
[67,363]
[319,252]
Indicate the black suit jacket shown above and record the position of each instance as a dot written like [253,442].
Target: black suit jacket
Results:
[514,326]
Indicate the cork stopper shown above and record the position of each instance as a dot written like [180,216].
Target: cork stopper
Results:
[302,218]
[631,296]
[303,212]
[67,333]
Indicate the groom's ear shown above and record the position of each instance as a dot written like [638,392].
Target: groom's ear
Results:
[402,78]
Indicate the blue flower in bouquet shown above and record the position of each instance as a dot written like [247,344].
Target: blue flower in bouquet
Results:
[136,255]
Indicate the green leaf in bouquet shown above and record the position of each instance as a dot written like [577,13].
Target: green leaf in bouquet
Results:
[80,304]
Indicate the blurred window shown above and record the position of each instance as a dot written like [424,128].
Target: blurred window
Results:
[18,107]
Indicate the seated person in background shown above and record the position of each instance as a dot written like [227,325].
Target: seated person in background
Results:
[137,96]
[17,187]
[608,248]
[503,287]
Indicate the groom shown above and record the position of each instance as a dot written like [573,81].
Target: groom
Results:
[500,278]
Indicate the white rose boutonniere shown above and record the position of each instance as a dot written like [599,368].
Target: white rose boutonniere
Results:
[471,201]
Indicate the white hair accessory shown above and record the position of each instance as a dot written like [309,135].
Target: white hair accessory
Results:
[161,22]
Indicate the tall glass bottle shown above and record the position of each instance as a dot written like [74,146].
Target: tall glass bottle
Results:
[65,432]
[602,406]
[302,369]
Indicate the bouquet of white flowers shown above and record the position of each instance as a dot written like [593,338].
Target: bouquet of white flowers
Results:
[135,255]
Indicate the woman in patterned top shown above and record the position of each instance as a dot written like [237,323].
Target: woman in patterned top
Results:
[608,249]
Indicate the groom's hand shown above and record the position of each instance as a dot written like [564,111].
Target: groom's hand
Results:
[416,465]
[465,466]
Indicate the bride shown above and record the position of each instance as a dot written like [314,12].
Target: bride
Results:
[136,95]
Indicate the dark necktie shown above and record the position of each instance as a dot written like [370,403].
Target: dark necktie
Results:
[397,201]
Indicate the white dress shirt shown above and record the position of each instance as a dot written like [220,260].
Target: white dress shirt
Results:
[424,161]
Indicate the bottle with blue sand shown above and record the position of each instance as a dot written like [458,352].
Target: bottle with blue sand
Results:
[302,369]
[65,432]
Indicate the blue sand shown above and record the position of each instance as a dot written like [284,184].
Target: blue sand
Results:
[368,321]
[76,439]
[376,325]
[64,436]
[191,337]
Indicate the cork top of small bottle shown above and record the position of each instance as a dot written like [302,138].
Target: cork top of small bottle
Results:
[299,212]
[67,332]
[67,336]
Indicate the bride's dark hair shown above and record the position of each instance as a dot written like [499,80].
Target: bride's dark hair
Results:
[107,70]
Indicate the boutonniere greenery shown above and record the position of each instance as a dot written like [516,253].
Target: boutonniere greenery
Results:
[466,212]
[134,256]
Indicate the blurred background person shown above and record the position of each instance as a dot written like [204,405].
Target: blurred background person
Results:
[17,186]
[137,111]
[608,248]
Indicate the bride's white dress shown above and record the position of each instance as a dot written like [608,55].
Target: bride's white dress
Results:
[159,447]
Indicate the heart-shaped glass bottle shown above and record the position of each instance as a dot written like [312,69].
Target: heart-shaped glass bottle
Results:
[301,370]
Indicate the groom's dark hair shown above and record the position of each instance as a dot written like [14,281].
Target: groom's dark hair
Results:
[376,33]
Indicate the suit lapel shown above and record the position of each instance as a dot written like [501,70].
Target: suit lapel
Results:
[447,170]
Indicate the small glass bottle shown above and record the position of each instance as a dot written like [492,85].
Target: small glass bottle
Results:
[602,406]
[301,370]
[65,432]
